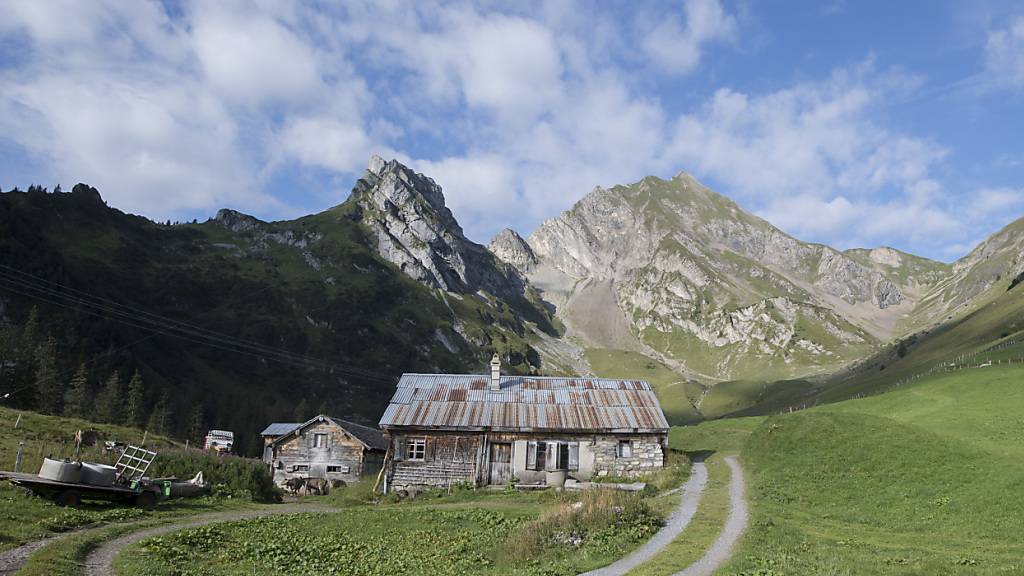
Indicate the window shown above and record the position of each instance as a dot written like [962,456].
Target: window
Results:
[416,449]
[319,440]
[338,469]
[300,467]
[536,453]
[552,456]
[625,449]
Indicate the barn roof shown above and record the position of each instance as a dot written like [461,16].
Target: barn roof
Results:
[280,428]
[370,437]
[524,403]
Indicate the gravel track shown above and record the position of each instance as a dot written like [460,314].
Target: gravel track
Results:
[721,550]
[100,561]
[12,560]
[677,521]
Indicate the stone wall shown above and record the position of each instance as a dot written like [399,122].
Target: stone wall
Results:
[647,455]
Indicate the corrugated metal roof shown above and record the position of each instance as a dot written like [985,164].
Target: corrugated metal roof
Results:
[460,401]
[280,428]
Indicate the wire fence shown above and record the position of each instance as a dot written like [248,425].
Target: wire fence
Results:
[961,362]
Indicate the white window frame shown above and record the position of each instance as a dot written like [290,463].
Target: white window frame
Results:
[300,467]
[320,440]
[416,449]
[624,449]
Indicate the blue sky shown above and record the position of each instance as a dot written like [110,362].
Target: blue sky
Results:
[849,123]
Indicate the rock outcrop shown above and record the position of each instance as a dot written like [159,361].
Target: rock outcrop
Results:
[412,228]
[510,247]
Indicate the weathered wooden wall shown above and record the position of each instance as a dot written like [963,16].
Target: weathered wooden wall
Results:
[341,450]
[450,459]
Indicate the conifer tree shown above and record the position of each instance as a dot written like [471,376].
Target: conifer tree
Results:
[134,410]
[48,383]
[301,412]
[78,403]
[196,431]
[109,403]
[160,418]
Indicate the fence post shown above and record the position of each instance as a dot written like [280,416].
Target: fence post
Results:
[20,456]
[18,421]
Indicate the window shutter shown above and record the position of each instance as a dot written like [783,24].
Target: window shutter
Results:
[531,455]
[399,449]
[551,458]
[574,456]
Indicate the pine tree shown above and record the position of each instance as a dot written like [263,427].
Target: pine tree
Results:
[24,375]
[79,398]
[196,431]
[49,386]
[160,418]
[301,412]
[109,403]
[134,410]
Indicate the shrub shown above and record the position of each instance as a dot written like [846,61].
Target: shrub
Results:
[232,476]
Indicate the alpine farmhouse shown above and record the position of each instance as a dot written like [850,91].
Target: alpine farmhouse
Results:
[449,429]
[323,447]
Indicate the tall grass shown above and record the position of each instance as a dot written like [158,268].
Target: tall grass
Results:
[231,475]
[593,518]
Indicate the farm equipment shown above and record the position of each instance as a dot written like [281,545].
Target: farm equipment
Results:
[69,482]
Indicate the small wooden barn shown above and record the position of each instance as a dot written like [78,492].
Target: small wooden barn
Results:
[323,447]
[446,429]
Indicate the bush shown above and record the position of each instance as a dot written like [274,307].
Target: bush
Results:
[231,476]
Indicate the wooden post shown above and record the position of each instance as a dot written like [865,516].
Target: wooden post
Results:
[18,421]
[144,435]
[20,456]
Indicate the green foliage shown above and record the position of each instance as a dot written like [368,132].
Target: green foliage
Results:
[160,418]
[134,411]
[600,521]
[110,402]
[232,475]
[79,398]
[49,388]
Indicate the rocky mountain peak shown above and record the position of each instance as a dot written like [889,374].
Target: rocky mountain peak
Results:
[236,221]
[412,228]
[510,247]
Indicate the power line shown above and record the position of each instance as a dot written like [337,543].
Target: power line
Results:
[32,282]
[40,289]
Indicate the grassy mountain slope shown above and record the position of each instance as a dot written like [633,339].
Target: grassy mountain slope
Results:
[314,287]
[924,480]
[717,292]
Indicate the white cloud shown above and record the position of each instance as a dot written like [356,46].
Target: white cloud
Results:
[325,142]
[251,57]
[677,47]
[1004,54]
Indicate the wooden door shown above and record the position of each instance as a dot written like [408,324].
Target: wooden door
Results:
[501,463]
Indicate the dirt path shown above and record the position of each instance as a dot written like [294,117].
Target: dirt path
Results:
[12,560]
[99,562]
[721,550]
[677,521]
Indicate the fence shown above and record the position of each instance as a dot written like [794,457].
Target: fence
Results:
[960,362]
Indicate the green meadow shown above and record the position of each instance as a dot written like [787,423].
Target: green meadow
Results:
[927,479]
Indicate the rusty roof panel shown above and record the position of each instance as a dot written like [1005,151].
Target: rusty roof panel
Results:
[453,401]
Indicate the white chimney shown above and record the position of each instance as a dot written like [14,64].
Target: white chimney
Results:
[495,372]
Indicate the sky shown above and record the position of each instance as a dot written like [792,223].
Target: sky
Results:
[855,124]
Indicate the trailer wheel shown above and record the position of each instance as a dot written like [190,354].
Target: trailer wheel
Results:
[71,498]
[146,500]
